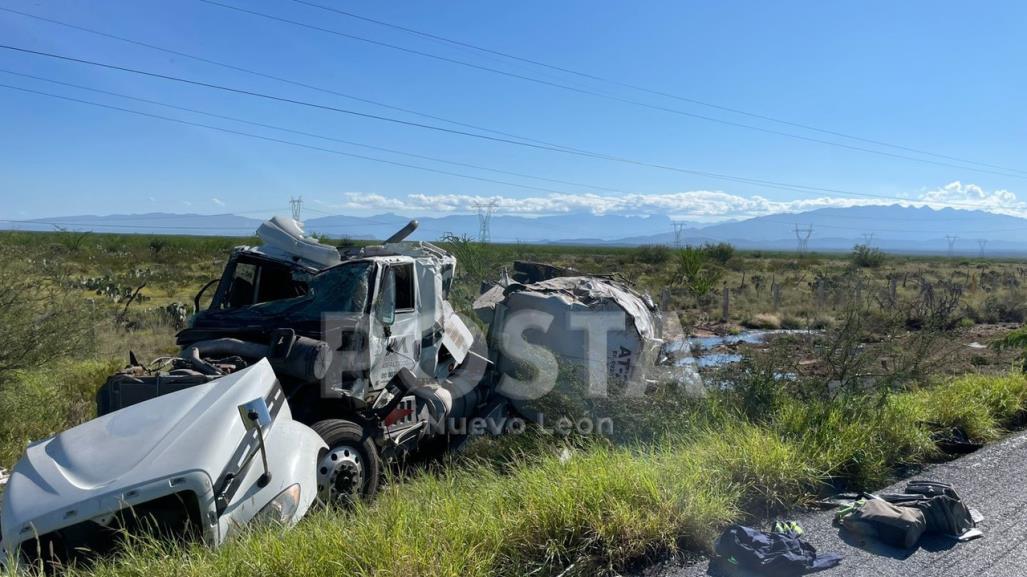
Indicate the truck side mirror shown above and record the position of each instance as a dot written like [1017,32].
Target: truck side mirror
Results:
[386,307]
[256,417]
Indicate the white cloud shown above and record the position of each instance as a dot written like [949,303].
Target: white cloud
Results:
[217,201]
[702,205]
[959,195]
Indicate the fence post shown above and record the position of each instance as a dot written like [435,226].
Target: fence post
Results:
[725,305]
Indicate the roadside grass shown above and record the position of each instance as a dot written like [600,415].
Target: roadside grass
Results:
[677,473]
[539,504]
[35,404]
[982,406]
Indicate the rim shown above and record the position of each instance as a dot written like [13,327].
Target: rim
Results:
[340,475]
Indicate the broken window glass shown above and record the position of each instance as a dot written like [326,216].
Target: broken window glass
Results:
[340,289]
[404,286]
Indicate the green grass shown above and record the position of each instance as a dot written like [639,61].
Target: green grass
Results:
[511,506]
[534,503]
[39,403]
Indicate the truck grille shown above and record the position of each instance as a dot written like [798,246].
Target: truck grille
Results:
[176,517]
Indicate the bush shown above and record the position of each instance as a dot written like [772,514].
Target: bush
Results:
[767,321]
[652,254]
[695,272]
[719,253]
[865,256]
[40,320]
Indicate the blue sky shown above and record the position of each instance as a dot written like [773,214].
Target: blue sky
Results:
[946,77]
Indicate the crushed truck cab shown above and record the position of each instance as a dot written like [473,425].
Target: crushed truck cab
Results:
[187,463]
[309,371]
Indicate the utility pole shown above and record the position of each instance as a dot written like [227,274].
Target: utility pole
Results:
[951,239]
[679,233]
[802,236]
[485,211]
[982,242]
[296,203]
[868,238]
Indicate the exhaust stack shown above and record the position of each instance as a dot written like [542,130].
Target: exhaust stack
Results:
[402,233]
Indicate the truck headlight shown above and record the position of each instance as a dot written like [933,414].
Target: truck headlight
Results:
[282,508]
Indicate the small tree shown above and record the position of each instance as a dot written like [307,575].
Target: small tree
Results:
[865,256]
[695,273]
[40,320]
[720,252]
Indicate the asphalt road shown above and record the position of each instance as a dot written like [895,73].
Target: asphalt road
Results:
[992,480]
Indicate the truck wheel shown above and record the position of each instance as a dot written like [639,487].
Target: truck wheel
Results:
[351,467]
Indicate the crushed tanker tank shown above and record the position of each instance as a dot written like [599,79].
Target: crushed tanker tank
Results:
[596,326]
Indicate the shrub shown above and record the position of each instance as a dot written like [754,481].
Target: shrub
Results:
[767,321]
[40,320]
[695,272]
[652,254]
[865,256]
[720,252]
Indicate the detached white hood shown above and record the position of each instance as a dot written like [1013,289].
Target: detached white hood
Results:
[185,431]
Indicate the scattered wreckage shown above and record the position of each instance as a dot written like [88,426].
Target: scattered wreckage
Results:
[310,370]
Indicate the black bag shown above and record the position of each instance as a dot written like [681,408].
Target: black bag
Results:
[775,554]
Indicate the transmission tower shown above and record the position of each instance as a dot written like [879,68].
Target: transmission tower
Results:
[802,236]
[679,233]
[485,211]
[868,238]
[296,203]
[951,239]
[982,242]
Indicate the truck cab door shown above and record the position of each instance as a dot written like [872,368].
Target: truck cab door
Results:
[395,336]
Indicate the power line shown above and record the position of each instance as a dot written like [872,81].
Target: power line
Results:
[565,150]
[679,233]
[638,87]
[485,211]
[320,136]
[432,116]
[802,236]
[599,94]
[272,139]
[951,240]
[274,77]
[296,204]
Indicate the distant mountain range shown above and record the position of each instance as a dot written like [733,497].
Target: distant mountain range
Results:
[894,228]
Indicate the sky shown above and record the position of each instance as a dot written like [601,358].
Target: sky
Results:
[701,144]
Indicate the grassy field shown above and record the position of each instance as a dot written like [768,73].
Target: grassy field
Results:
[542,503]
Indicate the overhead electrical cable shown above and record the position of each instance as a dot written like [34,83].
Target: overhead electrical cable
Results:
[608,80]
[606,96]
[319,136]
[563,150]
[277,78]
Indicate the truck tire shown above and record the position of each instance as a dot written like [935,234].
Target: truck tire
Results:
[351,468]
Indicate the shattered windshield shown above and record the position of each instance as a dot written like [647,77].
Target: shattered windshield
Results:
[340,289]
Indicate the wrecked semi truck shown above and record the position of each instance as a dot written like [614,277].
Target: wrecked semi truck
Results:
[309,371]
